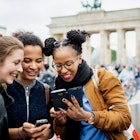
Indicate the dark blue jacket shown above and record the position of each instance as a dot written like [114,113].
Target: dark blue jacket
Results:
[17,112]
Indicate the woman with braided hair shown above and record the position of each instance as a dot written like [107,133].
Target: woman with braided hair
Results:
[104,114]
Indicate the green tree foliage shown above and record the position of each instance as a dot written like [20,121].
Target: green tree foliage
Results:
[92,49]
[113,55]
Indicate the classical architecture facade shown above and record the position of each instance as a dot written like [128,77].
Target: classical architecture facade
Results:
[2,30]
[104,23]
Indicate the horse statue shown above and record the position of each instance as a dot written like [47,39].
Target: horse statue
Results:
[96,4]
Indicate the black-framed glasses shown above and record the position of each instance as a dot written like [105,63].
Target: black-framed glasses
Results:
[67,65]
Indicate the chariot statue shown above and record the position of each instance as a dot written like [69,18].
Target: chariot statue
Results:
[96,4]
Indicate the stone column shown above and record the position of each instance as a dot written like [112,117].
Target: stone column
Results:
[137,45]
[121,48]
[86,51]
[105,52]
[58,36]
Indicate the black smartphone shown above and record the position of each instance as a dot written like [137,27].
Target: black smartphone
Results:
[41,122]
[57,96]
[78,93]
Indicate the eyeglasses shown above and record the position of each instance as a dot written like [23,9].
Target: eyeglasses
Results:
[67,65]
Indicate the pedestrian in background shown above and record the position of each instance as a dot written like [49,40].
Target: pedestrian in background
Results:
[47,76]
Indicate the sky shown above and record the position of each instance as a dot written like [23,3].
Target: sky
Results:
[35,15]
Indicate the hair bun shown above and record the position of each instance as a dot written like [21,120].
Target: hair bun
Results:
[77,36]
[49,45]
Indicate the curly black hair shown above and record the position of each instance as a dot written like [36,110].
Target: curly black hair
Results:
[49,45]
[28,38]
[75,38]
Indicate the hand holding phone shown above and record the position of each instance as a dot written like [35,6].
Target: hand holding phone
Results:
[56,98]
[41,122]
[58,95]
[78,93]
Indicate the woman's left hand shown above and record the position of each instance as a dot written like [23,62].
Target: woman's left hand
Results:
[58,115]
[74,110]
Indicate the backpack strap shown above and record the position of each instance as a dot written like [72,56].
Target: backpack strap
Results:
[95,78]
[47,92]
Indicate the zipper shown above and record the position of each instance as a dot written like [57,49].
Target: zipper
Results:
[112,106]
[27,101]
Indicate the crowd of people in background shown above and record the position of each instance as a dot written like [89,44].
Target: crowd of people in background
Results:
[129,75]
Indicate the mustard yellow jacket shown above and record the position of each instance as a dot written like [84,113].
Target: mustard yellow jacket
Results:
[112,114]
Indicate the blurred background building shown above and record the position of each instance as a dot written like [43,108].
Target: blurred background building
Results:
[2,30]
[103,23]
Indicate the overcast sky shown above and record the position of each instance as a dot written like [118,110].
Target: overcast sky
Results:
[34,15]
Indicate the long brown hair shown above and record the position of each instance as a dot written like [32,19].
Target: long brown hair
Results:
[7,45]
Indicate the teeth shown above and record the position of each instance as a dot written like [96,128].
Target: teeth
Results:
[65,76]
[14,75]
[31,73]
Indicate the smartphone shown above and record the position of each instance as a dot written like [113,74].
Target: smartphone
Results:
[41,122]
[56,98]
[78,93]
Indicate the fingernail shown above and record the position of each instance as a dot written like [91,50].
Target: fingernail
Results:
[63,99]
[60,112]
[59,108]
[72,96]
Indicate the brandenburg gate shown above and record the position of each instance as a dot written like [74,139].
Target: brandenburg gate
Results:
[104,23]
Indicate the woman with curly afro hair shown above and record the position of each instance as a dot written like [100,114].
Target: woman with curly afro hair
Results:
[104,113]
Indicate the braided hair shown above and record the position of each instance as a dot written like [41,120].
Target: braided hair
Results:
[74,38]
